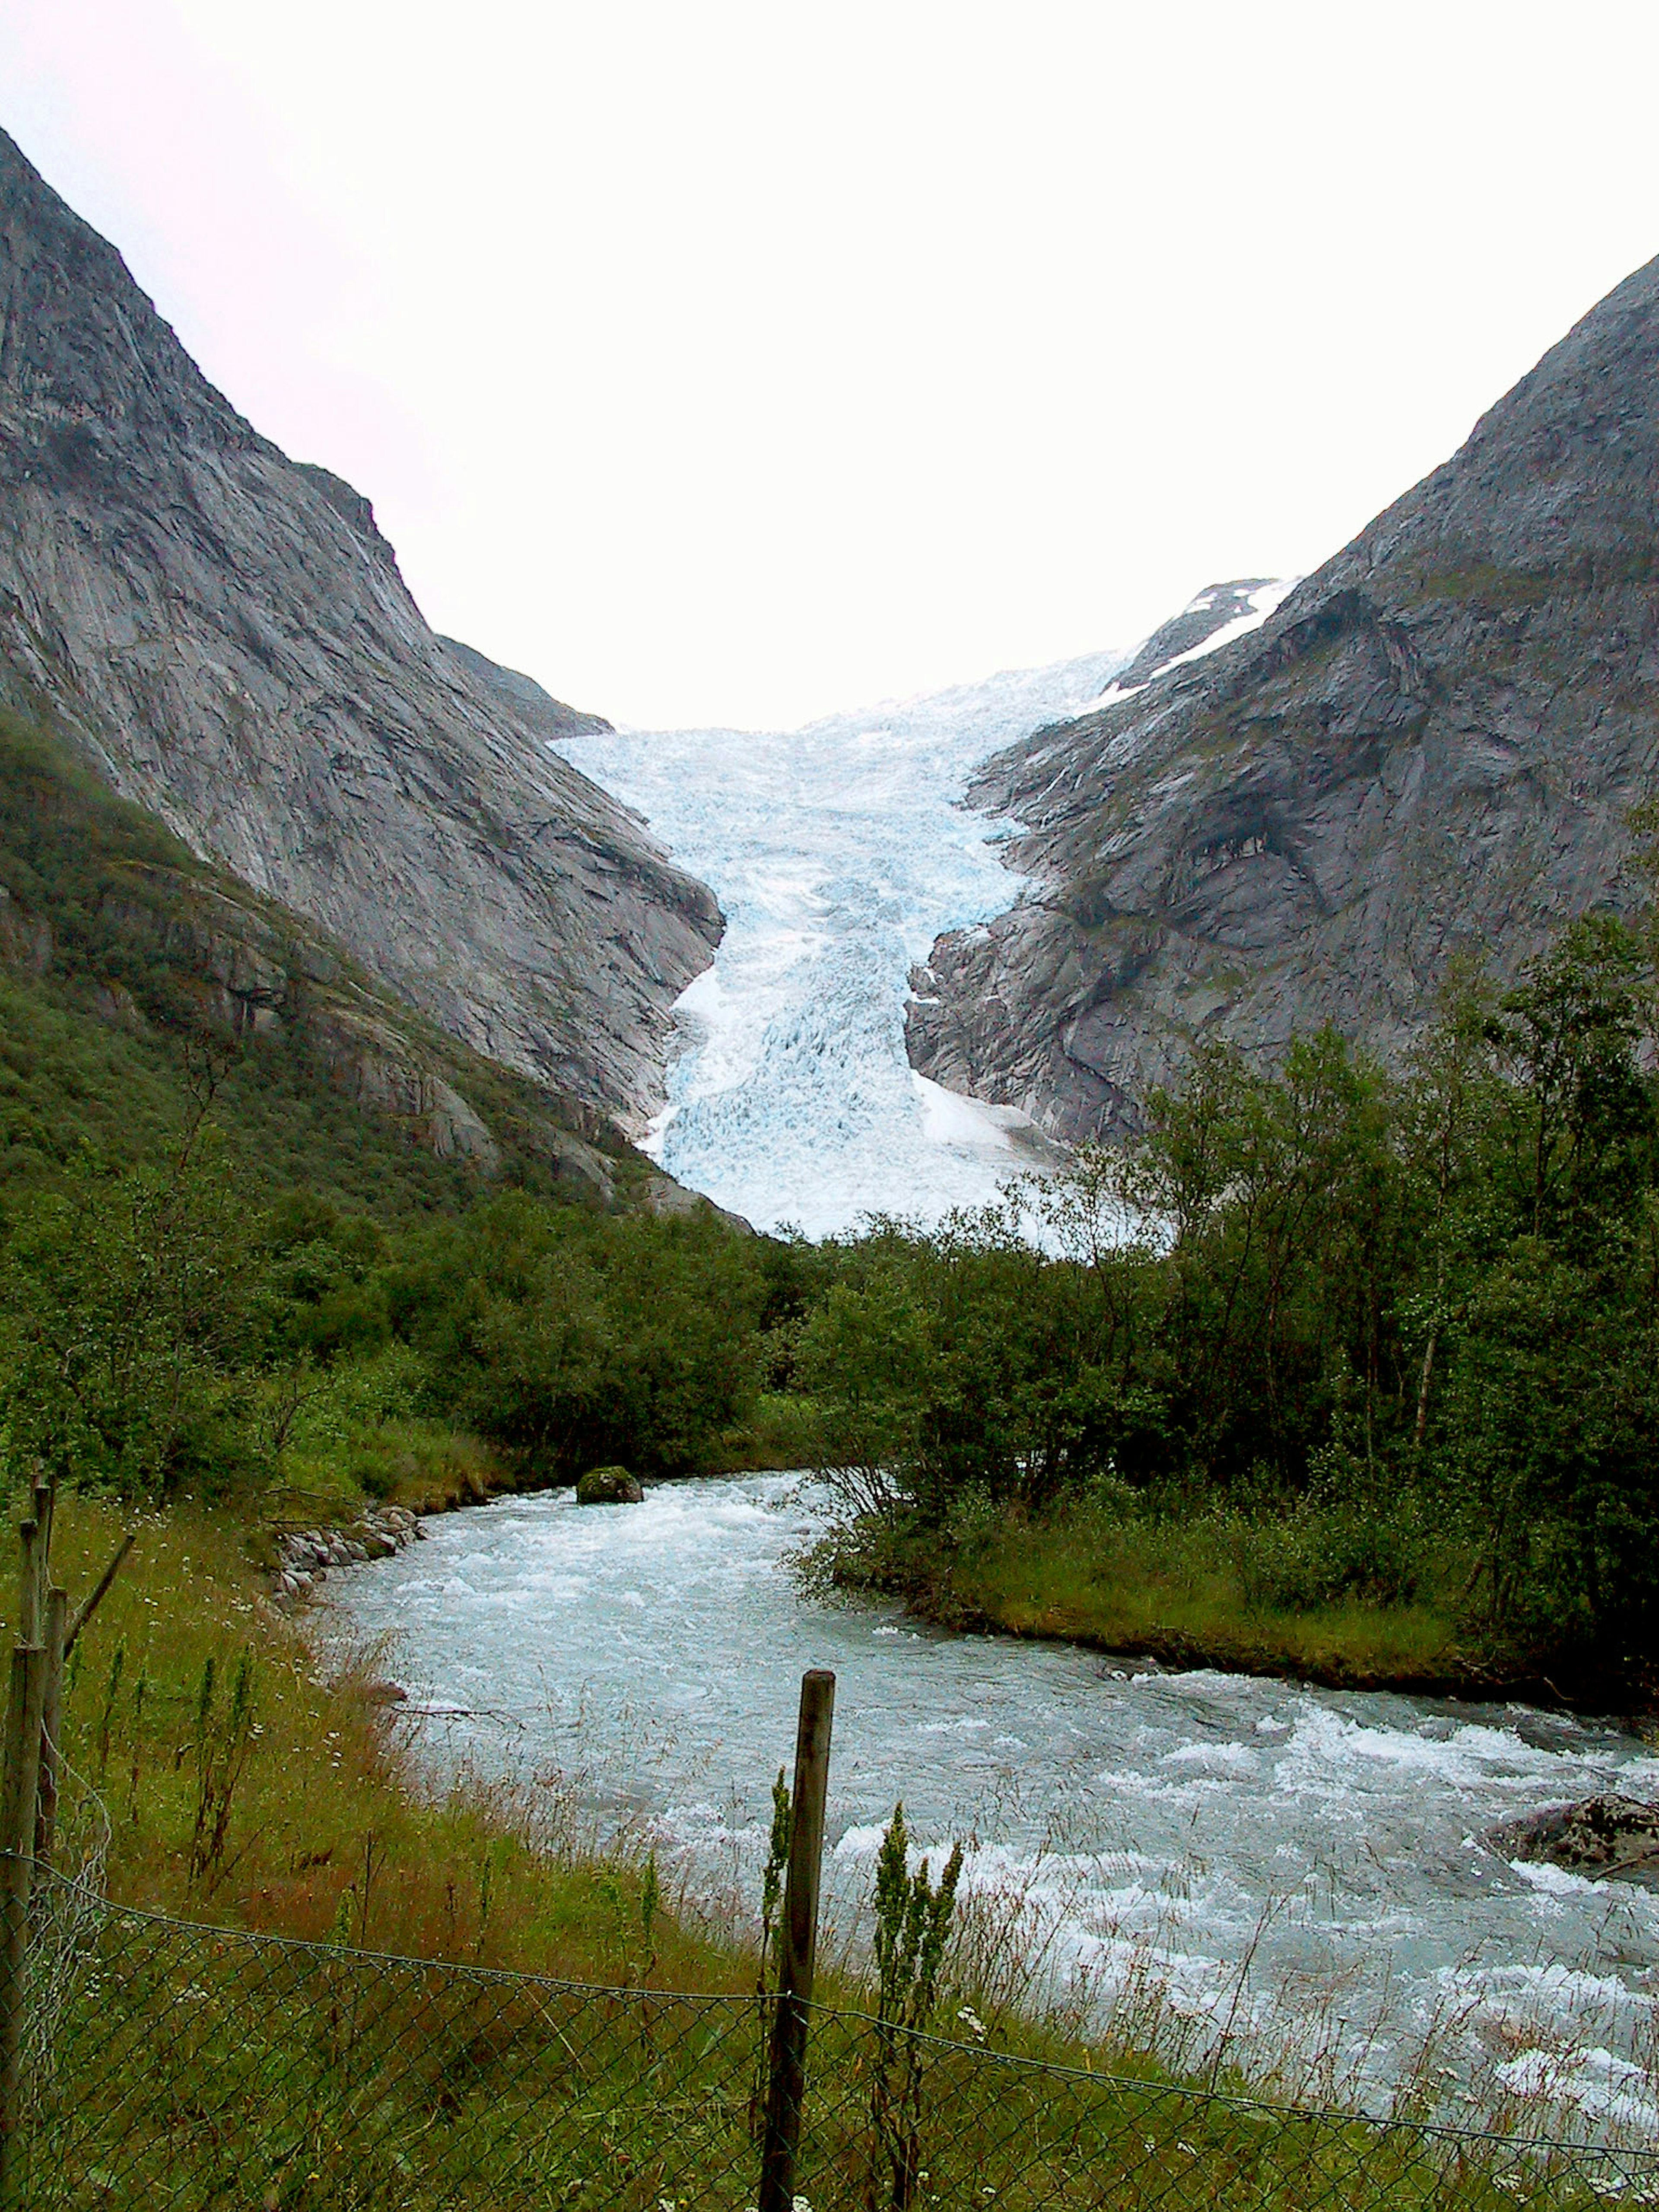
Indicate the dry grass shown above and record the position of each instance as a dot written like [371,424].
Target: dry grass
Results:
[325,1836]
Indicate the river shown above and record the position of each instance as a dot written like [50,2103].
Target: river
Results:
[1300,1869]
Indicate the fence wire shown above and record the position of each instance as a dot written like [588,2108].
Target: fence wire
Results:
[192,2067]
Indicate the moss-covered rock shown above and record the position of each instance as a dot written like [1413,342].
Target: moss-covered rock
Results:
[609,1486]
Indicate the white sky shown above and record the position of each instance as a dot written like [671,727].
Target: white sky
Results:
[718,361]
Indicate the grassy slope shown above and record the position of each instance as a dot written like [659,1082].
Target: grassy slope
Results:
[323,1791]
[97,1042]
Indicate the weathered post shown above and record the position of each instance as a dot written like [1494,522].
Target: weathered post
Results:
[19,1806]
[52,1722]
[787,2076]
[24,1713]
[30,1545]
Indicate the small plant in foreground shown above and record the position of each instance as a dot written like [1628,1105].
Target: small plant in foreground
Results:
[221,1745]
[913,1925]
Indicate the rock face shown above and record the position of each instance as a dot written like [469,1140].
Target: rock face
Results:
[522,696]
[1429,749]
[225,635]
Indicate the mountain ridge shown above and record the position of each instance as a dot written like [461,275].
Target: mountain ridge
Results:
[1429,749]
[225,635]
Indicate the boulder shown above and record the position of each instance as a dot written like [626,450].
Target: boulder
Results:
[1604,1835]
[609,1486]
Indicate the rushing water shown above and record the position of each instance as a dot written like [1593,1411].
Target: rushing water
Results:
[1303,1868]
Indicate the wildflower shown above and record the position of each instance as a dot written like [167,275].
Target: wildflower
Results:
[971,2020]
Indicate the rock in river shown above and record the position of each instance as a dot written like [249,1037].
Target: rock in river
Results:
[1604,1835]
[609,1486]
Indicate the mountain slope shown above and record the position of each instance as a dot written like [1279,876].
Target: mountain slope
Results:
[1429,749]
[133,974]
[225,635]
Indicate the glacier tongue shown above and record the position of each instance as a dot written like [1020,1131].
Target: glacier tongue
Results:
[839,852]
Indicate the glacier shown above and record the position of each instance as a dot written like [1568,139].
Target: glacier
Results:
[839,852]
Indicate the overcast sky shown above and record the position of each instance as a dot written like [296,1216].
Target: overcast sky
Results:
[729,362]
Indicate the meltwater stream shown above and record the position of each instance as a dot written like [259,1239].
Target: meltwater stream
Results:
[1302,1868]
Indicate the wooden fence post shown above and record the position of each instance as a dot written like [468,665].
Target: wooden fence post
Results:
[26,1713]
[17,1813]
[52,1722]
[29,1547]
[787,2076]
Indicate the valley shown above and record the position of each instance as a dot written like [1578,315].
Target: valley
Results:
[1116,1205]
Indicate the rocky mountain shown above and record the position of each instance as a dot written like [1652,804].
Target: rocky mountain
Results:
[132,972]
[223,633]
[523,697]
[1429,748]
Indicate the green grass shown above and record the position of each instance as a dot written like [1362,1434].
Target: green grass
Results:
[103,1045]
[1195,1589]
[318,2080]
[1169,1593]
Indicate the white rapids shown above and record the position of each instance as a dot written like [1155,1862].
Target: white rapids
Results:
[1303,1869]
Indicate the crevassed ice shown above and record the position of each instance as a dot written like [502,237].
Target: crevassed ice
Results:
[839,852]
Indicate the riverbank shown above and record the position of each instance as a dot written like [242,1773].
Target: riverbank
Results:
[245,1780]
[1191,1594]
[193,1689]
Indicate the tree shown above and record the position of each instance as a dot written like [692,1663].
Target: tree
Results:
[127,1303]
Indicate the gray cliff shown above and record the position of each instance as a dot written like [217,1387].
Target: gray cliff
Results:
[1430,748]
[225,635]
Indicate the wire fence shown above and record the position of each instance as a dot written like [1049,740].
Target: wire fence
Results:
[178,2065]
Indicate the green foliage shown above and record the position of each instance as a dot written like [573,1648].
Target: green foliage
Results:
[913,1926]
[160,1331]
[221,1741]
[571,1340]
[217,1269]
[1359,1324]
[777,1861]
[127,1304]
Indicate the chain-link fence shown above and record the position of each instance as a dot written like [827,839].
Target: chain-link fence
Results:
[171,2064]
